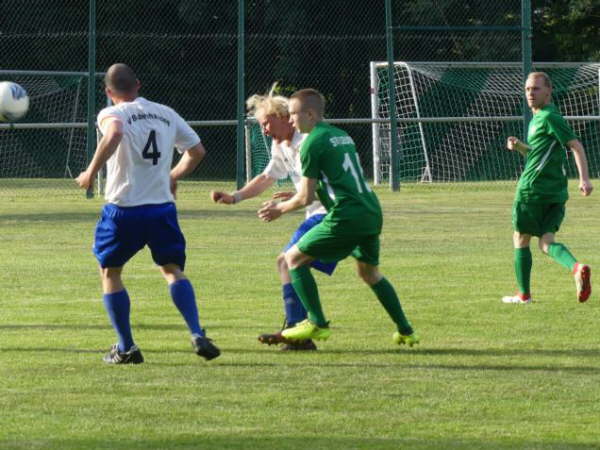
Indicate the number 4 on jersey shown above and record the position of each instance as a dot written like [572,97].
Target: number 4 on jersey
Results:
[151,149]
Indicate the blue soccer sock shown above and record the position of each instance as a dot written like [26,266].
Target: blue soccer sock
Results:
[294,310]
[118,306]
[183,296]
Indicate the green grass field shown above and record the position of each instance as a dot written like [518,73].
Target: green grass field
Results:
[486,375]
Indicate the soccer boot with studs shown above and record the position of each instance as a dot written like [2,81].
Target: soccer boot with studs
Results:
[131,356]
[204,347]
[517,299]
[583,281]
[306,330]
[406,339]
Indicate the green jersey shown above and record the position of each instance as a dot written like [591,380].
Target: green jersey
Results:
[544,179]
[329,155]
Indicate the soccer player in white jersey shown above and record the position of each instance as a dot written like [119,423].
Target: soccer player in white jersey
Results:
[271,112]
[137,146]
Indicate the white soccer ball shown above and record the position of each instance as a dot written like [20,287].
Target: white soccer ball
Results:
[14,101]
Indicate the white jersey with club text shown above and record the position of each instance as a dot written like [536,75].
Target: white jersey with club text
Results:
[138,171]
[285,161]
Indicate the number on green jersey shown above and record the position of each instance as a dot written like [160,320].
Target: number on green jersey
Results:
[358,175]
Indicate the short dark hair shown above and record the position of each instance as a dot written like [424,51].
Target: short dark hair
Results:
[543,75]
[311,98]
[120,78]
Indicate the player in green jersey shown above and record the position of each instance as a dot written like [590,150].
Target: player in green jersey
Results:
[331,170]
[539,206]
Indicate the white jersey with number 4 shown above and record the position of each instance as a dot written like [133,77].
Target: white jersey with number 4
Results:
[285,161]
[138,171]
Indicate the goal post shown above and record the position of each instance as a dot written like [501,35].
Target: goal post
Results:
[454,117]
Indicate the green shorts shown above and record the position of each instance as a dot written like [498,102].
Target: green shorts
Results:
[537,218]
[321,243]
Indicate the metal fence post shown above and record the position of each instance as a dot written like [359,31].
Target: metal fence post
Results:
[91,94]
[526,34]
[240,153]
[394,151]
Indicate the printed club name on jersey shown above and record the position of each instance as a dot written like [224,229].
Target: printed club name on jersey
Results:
[341,140]
[147,116]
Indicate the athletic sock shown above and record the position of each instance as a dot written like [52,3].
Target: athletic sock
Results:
[294,310]
[561,254]
[306,288]
[183,296]
[523,263]
[118,306]
[386,294]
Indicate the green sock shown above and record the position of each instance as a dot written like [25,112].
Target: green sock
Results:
[306,287]
[523,263]
[561,254]
[386,294]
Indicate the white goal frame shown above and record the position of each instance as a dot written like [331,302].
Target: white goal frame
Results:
[377,118]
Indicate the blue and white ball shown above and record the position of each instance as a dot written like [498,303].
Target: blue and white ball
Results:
[14,101]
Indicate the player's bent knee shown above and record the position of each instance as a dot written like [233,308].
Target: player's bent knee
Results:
[294,258]
[281,262]
[369,274]
[172,272]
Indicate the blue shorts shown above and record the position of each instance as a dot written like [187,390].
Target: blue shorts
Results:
[325,267]
[122,232]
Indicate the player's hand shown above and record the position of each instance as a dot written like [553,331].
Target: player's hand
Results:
[512,143]
[85,180]
[586,188]
[222,197]
[282,195]
[269,212]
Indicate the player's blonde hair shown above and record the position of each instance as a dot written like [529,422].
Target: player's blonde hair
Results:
[543,75]
[269,104]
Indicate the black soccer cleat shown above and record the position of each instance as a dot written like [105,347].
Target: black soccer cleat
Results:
[131,356]
[204,347]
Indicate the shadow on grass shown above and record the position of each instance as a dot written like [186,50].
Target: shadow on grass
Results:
[204,441]
[135,326]
[61,216]
[588,352]
[323,362]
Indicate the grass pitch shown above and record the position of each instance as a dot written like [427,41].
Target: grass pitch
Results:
[486,375]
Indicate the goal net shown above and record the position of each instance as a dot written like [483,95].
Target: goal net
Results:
[49,143]
[454,118]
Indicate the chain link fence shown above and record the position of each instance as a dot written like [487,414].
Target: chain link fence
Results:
[185,53]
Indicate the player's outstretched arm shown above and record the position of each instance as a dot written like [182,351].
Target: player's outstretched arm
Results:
[515,144]
[304,197]
[254,187]
[585,185]
[106,147]
[281,195]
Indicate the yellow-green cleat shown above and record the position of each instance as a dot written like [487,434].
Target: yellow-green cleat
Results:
[409,340]
[306,330]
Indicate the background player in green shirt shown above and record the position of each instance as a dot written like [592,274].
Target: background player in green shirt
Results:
[331,170]
[539,206]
